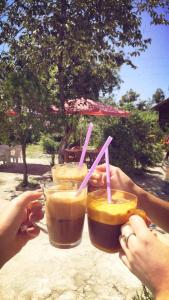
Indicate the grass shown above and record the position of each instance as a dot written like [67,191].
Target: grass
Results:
[34,151]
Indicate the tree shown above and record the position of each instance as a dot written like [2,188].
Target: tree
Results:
[142,105]
[129,99]
[74,38]
[23,92]
[158,96]
[76,47]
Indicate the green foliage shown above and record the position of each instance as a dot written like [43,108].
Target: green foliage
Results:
[130,97]
[158,96]
[145,294]
[76,47]
[48,144]
[136,141]
[23,92]
[34,150]
[62,49]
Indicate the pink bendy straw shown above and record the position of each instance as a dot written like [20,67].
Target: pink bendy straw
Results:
[97,160]
[108,175]
[89,131]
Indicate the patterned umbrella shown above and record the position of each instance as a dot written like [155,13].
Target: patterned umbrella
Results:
[89,107]
[11,113]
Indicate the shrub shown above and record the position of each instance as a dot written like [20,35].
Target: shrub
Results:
[136,141]
[49,146]
[48,143]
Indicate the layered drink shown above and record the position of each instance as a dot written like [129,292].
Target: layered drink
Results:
[105,219]
[65,213]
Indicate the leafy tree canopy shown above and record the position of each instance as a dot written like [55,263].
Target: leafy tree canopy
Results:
[80,43]
[128,100]
[158,96]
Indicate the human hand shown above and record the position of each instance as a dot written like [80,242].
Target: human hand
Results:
[145,256]
[17,225]
[119,180]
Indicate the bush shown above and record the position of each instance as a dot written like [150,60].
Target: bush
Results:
[136,141]
[49,146]
[48,143]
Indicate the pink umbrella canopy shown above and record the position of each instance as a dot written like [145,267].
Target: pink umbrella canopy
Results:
[90,107]
[11,113]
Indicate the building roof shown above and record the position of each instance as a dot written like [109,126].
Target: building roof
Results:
[164,102]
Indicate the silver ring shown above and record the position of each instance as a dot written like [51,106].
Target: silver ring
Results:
[126,238]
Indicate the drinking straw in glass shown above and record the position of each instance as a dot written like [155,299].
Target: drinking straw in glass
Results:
[108,175]
[94,165]
[89,131]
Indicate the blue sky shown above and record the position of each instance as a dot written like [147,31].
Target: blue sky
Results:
[152,66]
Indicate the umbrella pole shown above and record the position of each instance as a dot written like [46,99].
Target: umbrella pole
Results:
[80,136]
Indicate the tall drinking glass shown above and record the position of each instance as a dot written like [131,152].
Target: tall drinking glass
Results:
[65,213]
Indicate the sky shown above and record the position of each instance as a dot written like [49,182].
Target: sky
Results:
[152,65]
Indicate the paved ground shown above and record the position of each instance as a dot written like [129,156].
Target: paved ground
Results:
[41,271]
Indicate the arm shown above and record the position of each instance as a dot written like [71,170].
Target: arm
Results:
[156,209]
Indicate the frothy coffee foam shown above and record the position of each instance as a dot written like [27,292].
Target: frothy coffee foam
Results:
[72,172]
[110,213]
[65,204]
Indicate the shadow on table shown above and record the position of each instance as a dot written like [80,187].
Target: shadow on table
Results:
[33,169]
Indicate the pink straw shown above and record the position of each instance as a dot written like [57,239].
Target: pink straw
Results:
[89,131]
[97,160]
[108,175]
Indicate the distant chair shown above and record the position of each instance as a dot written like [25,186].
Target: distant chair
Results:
[16,154]
[5,154]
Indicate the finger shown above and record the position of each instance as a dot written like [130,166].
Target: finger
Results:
[33,232]
[124,245]
[130,238]
[35,204]
[101,168]
[148,221]
[28,230]
[124,259]
[26,235]
[96,176]
[139,226]
[126,229]
[96,183]
[36,216]
[24,199]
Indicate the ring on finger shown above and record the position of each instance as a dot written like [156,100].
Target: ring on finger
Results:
[126,238]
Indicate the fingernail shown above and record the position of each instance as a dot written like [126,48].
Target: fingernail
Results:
[135,217]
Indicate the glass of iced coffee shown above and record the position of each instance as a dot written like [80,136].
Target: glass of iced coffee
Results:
[65,213]
[69,171]
[105,219]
